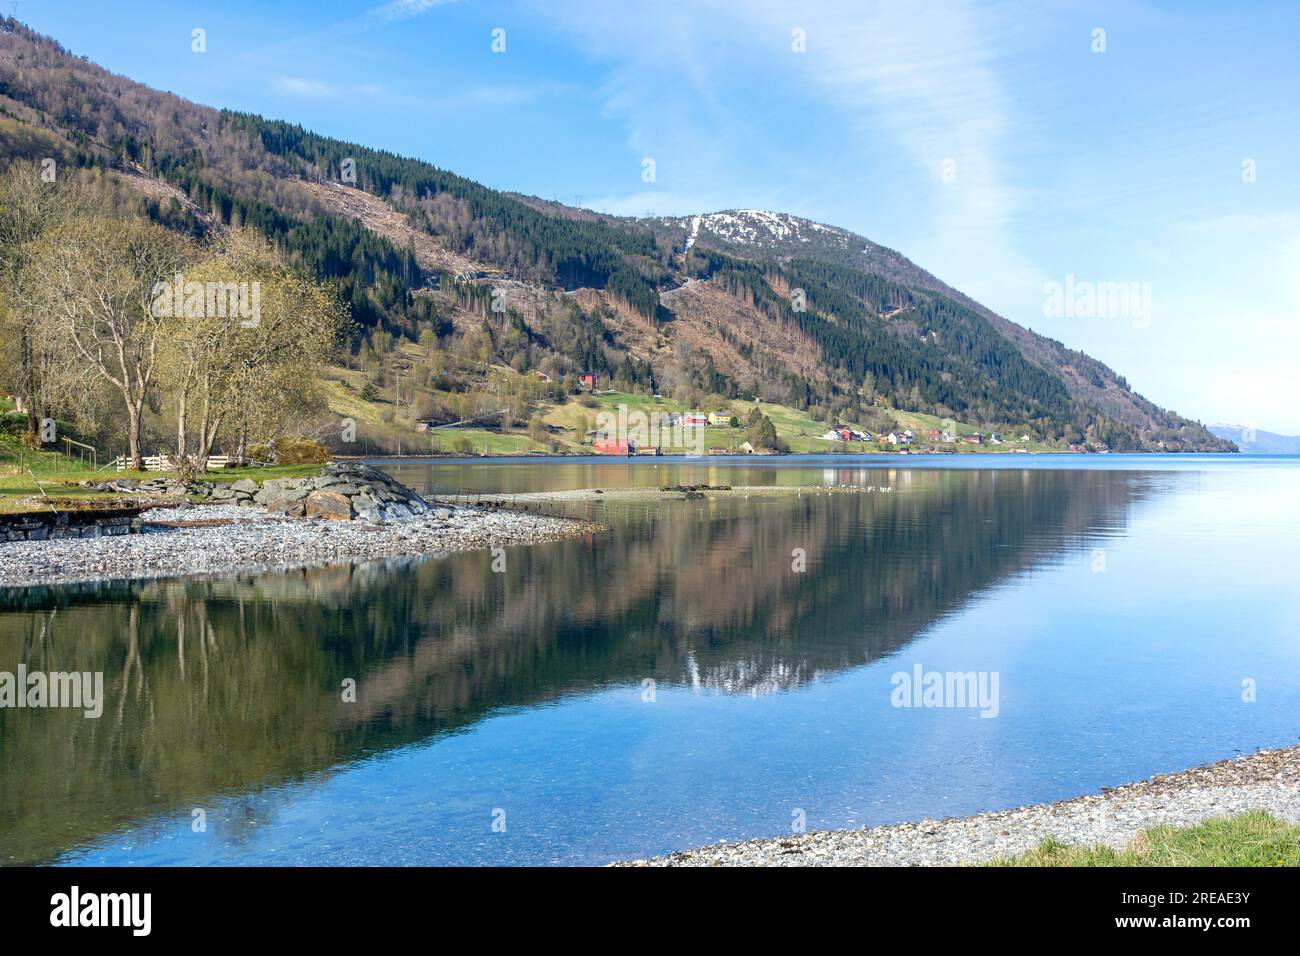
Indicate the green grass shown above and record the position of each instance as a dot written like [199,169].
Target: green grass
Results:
[572,415]
[1251,839]
[798,431]
[483,441]
[382,420]
[801,432]
[18,465]
[58,477]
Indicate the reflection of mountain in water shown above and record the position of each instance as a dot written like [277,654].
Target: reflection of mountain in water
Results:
[235,683]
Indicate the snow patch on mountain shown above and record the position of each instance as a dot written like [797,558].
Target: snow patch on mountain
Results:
[755,227]
[760,228]
[695,231]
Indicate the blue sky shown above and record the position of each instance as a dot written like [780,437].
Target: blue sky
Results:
[989,142]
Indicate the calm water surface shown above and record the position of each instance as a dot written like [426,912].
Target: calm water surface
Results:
[674,681]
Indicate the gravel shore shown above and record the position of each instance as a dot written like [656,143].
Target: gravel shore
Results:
[217,539]
[1267,780]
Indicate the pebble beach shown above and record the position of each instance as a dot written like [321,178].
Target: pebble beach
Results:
[203,539]
[1268,780]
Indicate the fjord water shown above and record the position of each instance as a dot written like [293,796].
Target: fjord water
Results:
[673,681]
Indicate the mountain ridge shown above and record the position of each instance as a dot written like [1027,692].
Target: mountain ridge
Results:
[1257,441]
[698,305]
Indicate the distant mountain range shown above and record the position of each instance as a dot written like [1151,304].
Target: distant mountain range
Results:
[741,303]
[1254,441]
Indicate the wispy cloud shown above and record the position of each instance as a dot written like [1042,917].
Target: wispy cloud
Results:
[402,10]
[653,203]
[506,94]
[318,89]
[926,76]
[922,82]
[299,86]
[1247,222]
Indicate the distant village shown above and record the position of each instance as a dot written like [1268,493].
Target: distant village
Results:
[843,433]
[844,436]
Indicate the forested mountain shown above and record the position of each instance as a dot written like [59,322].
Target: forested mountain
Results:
[739,304]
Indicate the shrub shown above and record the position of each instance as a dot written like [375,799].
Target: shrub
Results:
[299,451]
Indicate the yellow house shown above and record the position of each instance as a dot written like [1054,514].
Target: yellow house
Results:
[719,418]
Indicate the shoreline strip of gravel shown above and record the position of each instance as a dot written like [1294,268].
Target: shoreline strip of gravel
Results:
[208,539]
[655,493]
[1267,780]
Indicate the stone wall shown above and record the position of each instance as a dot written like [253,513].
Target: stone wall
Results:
[37,526]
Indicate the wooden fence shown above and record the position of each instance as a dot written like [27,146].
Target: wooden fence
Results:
[165,462]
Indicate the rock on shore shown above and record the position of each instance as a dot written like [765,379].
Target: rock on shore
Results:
[1268,780]
[343,491]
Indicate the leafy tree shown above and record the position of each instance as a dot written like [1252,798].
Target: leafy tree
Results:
[761,433]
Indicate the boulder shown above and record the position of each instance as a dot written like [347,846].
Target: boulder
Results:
[367,508]
[292,507]
[276,490]
[343,490]
[246,485]
[328,504]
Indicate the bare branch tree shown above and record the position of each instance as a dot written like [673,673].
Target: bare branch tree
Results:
[95,282]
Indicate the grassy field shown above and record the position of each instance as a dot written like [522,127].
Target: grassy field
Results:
[27,474]
[1251,839]
[384,427]
[19,492]
[482,441]
[382,420]
[23,472]
[801,432]
[383,423]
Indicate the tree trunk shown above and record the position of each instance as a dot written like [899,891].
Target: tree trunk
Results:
[133,437]
[207,440]
[205,445]
[27,377]
[181,438]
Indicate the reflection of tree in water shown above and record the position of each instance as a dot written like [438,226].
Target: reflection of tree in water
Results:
[227,684]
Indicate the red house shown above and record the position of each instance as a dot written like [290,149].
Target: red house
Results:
[588,381]
[605,446]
